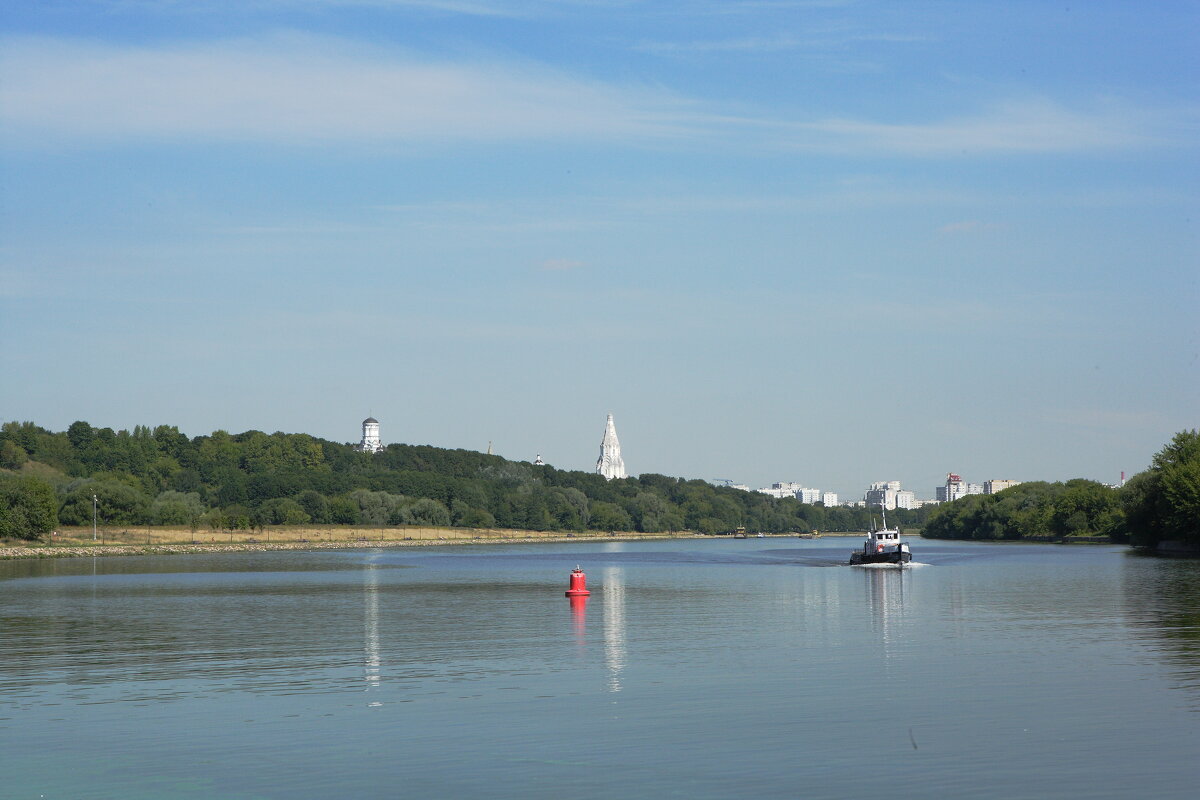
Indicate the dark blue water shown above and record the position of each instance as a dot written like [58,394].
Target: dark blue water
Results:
[696,669]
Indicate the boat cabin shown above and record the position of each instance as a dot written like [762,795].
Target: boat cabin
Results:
[878,541]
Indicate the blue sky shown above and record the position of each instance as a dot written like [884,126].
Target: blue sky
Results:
[827,242]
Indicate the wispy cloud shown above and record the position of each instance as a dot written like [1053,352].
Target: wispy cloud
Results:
[1034,126]
[299,89]
[296,88]
[487,8]
[769,44]
[747,45]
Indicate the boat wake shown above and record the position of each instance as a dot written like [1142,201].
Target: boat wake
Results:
[909,565]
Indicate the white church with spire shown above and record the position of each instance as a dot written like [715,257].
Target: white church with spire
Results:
[371,443]
[610,464]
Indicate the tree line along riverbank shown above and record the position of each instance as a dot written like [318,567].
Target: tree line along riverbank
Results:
[253,480]
[247,484]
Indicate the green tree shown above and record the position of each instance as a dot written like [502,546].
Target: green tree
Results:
[315,505]
[375,508]
[1163,503]
[609,517]
[28,507]
[12,455]
[428,511]
[176,508]
[281,511]
[119,502]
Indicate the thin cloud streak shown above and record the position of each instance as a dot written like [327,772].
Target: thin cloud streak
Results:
[304,90]
[483,8]
[770,44]
[1037,126]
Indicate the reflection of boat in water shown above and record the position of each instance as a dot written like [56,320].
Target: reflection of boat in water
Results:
[883,546]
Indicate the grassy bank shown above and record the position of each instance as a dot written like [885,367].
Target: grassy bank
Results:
[128,541]
[79,542]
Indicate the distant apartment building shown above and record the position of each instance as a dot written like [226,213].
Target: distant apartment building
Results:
[952,490]
[829,499]
[993,486]
[883,493]
[956,487]
[906,499]
[782,489]
[809,496]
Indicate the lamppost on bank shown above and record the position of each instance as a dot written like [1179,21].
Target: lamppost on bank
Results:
[93,518]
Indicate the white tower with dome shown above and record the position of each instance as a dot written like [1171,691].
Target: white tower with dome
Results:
[371,443]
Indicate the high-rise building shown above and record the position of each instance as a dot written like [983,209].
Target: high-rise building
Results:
[610,464]
[955,488]
[993,486]
[890,496]
[371,443]
[882,493]
[809,496]
[829,499]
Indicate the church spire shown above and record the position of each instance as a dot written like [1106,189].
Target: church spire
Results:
[610,464]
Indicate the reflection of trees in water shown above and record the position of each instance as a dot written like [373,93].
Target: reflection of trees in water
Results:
[1162,604]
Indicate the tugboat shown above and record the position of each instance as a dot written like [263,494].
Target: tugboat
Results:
[882,546]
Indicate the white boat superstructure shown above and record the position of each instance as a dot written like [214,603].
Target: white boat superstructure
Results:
[883,546]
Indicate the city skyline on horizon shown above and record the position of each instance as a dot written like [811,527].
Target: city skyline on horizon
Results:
[835,242]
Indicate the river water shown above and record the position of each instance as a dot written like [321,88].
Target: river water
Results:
[696,669]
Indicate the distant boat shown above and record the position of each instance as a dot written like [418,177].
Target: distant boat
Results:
[739,532]
[883,546]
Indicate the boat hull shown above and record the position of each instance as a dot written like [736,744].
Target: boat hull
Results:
[902,557]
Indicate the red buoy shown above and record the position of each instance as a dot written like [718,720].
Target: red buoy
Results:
[578,584]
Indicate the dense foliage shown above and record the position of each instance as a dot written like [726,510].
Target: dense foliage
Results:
[1163,503]
[1158,505]
[1035,510]
[160,476]
[28,507]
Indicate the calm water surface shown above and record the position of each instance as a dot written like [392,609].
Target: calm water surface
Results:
[697,669]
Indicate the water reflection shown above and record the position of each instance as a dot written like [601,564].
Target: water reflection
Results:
[885,596]
[614,625]
[1162,605]
[371,660]
[579,618]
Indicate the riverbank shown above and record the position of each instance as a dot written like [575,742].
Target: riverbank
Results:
[70,543]
[78,542]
